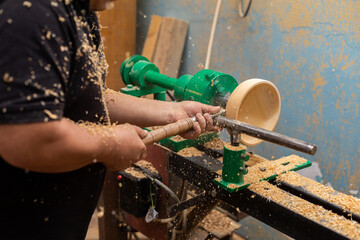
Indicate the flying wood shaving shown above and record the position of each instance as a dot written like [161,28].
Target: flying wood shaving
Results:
[27,4]
[7,78]
[50,114]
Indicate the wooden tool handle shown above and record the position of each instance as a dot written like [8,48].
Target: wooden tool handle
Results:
[168,131]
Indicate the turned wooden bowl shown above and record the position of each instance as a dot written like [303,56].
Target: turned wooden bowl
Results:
[256,102]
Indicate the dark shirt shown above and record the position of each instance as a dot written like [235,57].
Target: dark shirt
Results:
[51,66]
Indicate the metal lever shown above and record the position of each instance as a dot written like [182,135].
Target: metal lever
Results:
[277,138]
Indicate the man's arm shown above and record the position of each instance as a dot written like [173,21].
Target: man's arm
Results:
[145,112]
[61,146]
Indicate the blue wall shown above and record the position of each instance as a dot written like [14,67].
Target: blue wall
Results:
[309,49]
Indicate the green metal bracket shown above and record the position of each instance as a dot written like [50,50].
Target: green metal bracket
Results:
[176,145]
[160,93]
[234,170]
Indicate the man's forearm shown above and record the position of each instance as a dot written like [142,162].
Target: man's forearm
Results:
[138,111]
[57,146]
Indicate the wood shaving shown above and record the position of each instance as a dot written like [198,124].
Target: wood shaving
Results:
[61,19]
[50,114]
[215,143]
[190,152]
[275,167]
[254,159]
[54,4]
[177,138]
[27,4]
[7,78]
[348,203]
[235,148]
[217,222]
[346,227]
[138,173]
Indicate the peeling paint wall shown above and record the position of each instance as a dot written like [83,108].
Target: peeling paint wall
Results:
[309,49]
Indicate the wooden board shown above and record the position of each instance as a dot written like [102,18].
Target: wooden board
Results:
[119,35]
[152,37]
[170,46]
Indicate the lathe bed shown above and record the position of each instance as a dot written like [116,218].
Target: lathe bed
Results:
[289,203]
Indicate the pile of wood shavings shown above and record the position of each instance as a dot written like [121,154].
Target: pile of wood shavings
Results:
[266,169]
[215,143]
[254,159]
[348,203]
[217,222]
[138,173]
[190,152]
[346,227]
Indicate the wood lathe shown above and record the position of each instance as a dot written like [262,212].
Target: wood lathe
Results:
[228,173]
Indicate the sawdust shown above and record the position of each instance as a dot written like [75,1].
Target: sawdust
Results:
[276,167]
[215,143]
[7,78]
[148,166]
[137,172]
[190,152]
[235,148]
[266,169]
[27,4]
[50,114]
[61,19]
[254,159]
[348,203]
[219,222]
[349,228]
[54,4]
[177,138]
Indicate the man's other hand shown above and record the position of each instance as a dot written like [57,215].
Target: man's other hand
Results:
[204,121]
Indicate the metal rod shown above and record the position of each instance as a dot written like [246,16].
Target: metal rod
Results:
[266,135]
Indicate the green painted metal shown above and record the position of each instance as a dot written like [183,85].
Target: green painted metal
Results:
[138,92]
[233,187]
[233,169]
[177,145]
[206,86]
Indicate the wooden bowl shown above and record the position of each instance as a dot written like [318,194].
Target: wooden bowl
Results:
[256,102]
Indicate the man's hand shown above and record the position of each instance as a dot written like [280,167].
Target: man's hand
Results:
[125,146]
[202,112]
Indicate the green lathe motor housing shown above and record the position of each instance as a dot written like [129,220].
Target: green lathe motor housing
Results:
[207,86]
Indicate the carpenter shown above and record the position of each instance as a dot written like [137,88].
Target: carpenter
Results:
[61,128]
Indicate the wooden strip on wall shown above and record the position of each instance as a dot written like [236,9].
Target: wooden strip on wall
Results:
[170,46]
[152,37]
[119,34]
